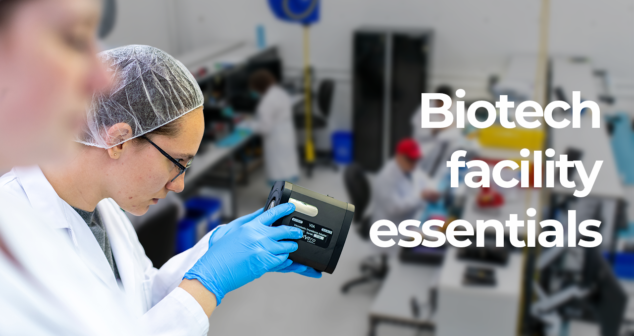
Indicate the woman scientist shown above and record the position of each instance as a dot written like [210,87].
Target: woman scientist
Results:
[140,138]
[48,73]
[274,122]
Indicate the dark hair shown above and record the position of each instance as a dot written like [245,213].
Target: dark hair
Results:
[7,7]
[261,80]
[445,89]
[169,130]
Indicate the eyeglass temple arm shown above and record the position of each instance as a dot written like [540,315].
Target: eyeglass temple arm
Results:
[165,154]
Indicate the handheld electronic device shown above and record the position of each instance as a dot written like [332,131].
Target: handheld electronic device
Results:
[324,220]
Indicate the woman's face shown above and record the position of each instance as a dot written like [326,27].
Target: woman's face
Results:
[140,175]
[48,73]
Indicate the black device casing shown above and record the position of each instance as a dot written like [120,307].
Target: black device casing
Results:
[332,214]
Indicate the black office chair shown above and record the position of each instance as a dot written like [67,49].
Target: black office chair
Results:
[319,118]
[359,192]
[323,101]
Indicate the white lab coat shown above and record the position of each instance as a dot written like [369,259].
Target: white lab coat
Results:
[395,196]
[274,122]
[152,293]
[45,289]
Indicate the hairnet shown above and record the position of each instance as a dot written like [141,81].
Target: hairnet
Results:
[150,89]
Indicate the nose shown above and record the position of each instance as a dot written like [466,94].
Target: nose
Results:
[98,78]
[178,185]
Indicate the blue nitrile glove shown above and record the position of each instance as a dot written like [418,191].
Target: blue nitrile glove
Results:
[290,266]
[246,253]
[287,267]
[222,230]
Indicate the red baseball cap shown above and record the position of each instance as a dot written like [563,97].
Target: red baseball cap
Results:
[409,148]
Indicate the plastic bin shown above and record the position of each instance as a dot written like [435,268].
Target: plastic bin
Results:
[202,215]
[623,265]
[342,147]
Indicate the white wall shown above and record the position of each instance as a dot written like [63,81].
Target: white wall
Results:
[144,22]
[473,38]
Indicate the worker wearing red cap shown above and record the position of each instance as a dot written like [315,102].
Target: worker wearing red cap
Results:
[401,189]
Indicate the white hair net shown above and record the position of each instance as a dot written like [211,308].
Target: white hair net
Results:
[150,89]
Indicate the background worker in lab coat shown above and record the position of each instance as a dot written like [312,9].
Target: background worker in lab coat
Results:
[401,189]
[274,122]
[139,139]
[48,73]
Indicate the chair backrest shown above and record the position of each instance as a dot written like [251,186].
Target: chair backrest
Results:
[358,188]
[324,96]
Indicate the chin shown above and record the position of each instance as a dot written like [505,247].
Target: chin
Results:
[138,211]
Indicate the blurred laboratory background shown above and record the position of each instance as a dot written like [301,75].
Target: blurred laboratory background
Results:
[323,93]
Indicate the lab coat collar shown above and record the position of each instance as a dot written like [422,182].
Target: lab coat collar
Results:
[393,166]
[41,194]
[114,220]
[61,215]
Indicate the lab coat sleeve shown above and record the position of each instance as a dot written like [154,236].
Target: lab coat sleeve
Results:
[174,311]
[182,309]
[170,275]
[394,204]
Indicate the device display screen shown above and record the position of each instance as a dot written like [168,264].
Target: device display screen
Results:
[313,233]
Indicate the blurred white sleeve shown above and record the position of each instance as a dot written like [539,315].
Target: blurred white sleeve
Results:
[170,275]
[177,314]
[393,202]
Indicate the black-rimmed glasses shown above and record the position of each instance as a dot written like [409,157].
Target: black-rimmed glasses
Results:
[182,168]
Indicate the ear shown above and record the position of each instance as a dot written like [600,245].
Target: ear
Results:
[118,133]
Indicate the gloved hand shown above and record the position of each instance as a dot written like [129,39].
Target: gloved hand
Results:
[246,252]
[290,266]
[287,267]
[223,230]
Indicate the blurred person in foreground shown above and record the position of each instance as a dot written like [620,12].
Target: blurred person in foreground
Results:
[401,189]
[140,137]
[48,73]
[274,122]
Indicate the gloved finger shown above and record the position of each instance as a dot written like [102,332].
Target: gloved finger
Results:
[247,218]
[283,266]
[281,247]
[293,268]
[276,260]
[222,230]
[270,216]
[310,272]
[301,270]
[284,232]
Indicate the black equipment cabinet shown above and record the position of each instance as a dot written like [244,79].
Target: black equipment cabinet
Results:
[390,71]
